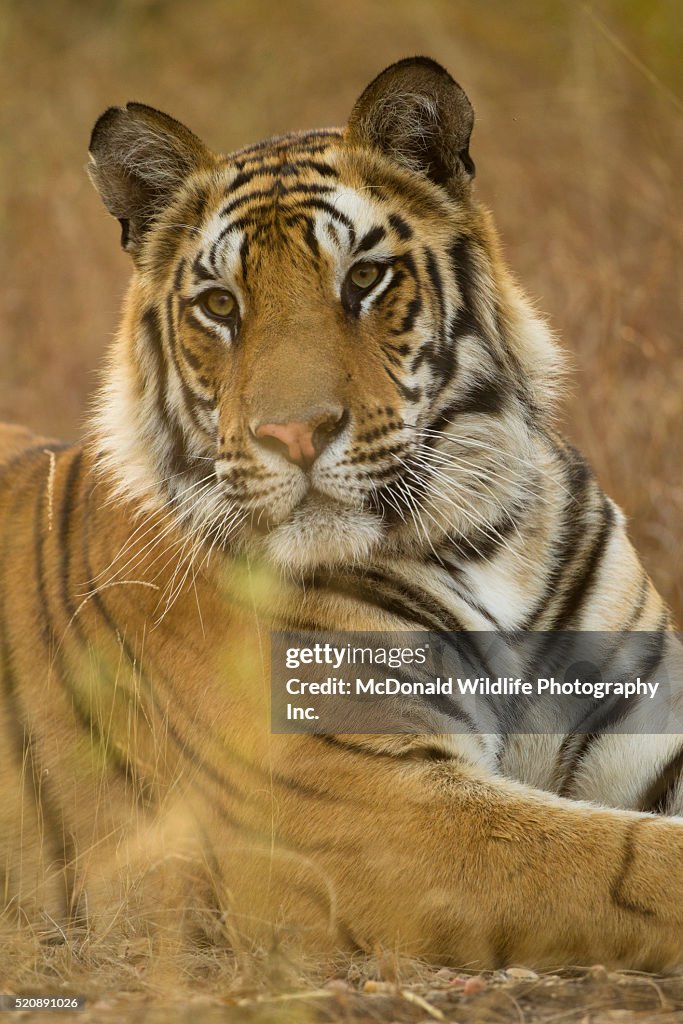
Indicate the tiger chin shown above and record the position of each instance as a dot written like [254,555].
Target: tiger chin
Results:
[320,534]
[328,407]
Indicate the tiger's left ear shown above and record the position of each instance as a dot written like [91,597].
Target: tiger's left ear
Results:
[417,115]
[139,159]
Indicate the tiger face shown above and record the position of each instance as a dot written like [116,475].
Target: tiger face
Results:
[321,354]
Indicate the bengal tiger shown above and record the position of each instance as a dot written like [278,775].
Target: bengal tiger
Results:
[328,407]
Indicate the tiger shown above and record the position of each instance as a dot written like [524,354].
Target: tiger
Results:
[329,406]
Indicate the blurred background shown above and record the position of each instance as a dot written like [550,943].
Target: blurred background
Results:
[577,144]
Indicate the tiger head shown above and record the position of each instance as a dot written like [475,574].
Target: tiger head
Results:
[321,353]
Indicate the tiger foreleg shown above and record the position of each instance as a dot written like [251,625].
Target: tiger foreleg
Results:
[433,859]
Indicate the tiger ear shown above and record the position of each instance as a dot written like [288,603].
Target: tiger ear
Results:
[417,115]
[139,158]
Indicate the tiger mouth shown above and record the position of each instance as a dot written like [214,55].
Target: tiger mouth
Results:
[314,504]
[320,531]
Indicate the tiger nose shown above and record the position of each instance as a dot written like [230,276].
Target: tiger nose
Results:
[302,441]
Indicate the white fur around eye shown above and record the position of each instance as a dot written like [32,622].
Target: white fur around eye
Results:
[224,332]
[375,292]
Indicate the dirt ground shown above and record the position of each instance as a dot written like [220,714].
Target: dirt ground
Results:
[357,995]
[578,151]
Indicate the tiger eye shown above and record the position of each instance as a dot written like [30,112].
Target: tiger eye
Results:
[364,275]
[218,303]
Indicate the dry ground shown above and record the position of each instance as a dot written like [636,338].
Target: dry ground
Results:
[578,148]
[366,992]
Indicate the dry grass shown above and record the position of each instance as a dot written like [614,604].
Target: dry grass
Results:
[578,149]
[128,987]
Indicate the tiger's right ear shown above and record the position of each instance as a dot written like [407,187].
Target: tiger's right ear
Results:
[139,158]
[419,116]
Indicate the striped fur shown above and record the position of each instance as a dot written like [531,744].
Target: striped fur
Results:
[144,569]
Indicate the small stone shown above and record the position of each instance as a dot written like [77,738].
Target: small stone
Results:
[378,986]
[521,974]
[337,985]
[458,981]
[473,986]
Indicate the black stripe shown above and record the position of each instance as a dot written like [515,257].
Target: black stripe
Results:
[56,650]
[410,316]
[333,233]
[200,200]
[370,239]
[244,257]
[255,220]
[463,590]
[286,143]
[621,879]
[310,238]
[190,397]
[315,792]
[613,710]
[442,364]
[334,213]
[243,178]
[572,754]
[397,279]
[427,753]
[48,811]
[641,599]
[464,323]
[483,543]
[485,397]
[413,394]
[466,320]
[188,355]
[276,191]
[200,271]
[576,597]
[174,451]
[436,281]
[69,495]
[577,746]
[182,744]
[411,196]
[325,170]
[283,170]
[462,265]
[578,480]
[417,604]
[178,276]
[387,598]
[400,226]
[659,793]
[16,720]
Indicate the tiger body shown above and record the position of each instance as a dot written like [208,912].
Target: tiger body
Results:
[279,444]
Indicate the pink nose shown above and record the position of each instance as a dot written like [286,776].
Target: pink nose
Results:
[301,442]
